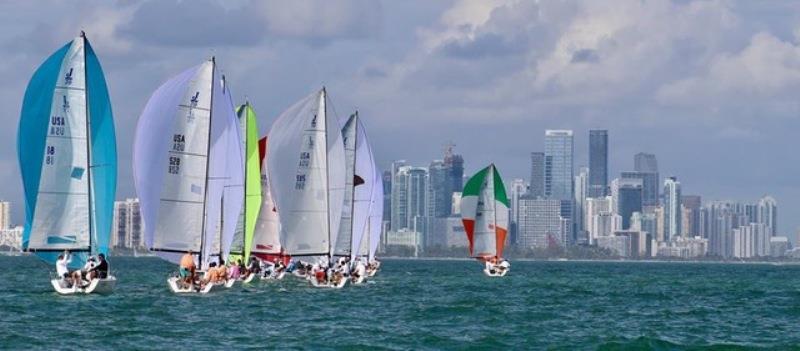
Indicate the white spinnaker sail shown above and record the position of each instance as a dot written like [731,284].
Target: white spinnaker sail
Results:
[376,215]
[62,205]
[307,174]
[225,175]
[266,237]
[364,181]
[170,162]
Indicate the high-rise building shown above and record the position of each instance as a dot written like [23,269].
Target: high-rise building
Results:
[440,196]
[579,198]
[592,208]
[454,168]
[399,198]
[672,208]
[537,175]
[540,223]
[410,187]
[387,197]
[598,163]
[649,186]
[646,166]
[558,152]
[628,193]
[644,162]
[604,224]
[126,230]
[5,215]
[517,189]
[768,214]
[691,219]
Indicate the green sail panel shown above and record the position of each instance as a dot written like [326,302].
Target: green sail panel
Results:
[243,239]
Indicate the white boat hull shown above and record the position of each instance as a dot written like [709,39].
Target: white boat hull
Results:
[176,288]
[317,284]
[248,279]
[496,273]
[96,286]
[358,280]
[273,276]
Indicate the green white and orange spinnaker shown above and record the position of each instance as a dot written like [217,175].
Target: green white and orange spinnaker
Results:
[484,212]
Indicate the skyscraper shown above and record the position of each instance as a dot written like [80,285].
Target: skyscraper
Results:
[517,189]
[672,208]
[558,151]
[647,166]
[440,195]
[629,200]
[649,186]
[598,163]
[579,198]
[387,197]
[692,204]
[454,168]
[126,230]
[410,190]
[768,214]
[537,175]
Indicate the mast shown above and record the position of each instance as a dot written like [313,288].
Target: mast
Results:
[353,180]
[494,207]
[208,158]
[244,205]
[327,176]
[88,143]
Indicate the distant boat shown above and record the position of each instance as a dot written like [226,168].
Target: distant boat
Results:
[307,173]
[359,186]
[68,158]
[187,160]
[484,212]
[246,225]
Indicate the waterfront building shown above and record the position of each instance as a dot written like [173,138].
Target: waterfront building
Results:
[540,223]
[11,239]
[768,214]
[579,197]
[127,226]
[5,215]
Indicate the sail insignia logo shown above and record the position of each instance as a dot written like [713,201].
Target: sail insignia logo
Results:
[65,105]
[314,122]
[68,77]
[192,104]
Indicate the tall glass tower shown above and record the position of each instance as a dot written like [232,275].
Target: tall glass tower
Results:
[558,151]
[598,163]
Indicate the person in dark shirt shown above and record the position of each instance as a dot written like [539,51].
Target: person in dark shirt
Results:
[100,270]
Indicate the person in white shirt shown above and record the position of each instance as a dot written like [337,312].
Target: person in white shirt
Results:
[79,276]
[62,269]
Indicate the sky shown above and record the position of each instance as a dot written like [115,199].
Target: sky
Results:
[710,87]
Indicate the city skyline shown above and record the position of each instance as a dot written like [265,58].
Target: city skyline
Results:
[704,113]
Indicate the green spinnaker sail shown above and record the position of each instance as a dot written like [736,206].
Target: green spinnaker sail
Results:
[240,248]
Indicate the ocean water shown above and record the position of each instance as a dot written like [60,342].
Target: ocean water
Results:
[419,305]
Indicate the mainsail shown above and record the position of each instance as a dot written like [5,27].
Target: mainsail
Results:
[243,237]
[187,156]
[67,155]
[307,175]
[484,212]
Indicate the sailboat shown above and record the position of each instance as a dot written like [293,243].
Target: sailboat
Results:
[266,236]
[243,236]
[359,185]
[68,159]
[484,212]
[187,158]
[307,171]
